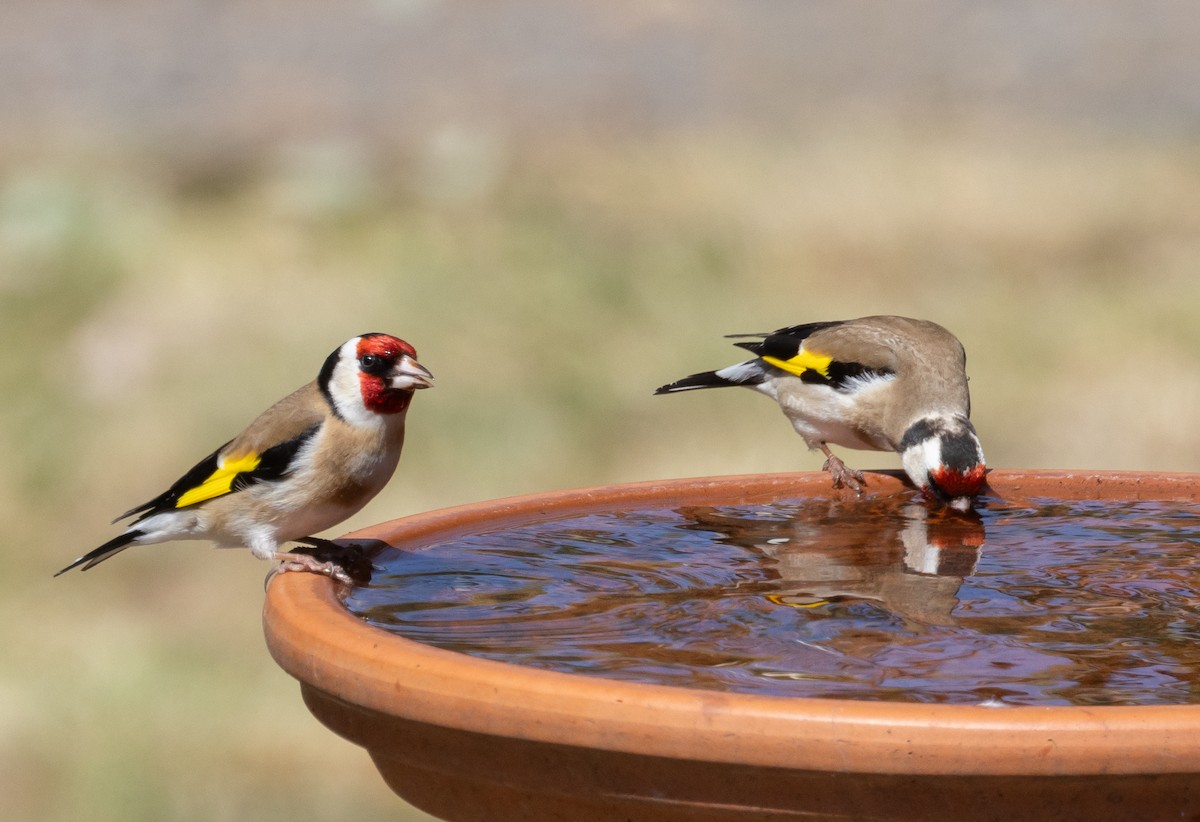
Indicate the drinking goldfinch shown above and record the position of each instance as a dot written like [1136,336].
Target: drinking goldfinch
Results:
[305,464]
[876,383]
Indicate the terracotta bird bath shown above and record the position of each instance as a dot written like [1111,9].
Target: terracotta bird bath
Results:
[466,738]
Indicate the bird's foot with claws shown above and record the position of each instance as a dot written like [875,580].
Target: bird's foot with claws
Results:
[346,562]
[290,561]
[843,476]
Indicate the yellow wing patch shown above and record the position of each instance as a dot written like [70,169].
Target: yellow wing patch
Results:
[803,361]
[219,482]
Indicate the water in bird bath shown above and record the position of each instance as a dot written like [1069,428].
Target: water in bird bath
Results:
[1052,603]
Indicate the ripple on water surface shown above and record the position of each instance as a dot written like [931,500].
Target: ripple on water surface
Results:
[1062,602]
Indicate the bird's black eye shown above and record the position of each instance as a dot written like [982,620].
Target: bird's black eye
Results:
[372,363]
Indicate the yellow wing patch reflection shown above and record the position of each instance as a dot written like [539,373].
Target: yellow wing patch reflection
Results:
[791,602]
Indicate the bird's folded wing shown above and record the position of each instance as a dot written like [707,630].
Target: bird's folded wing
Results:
[221,480]
[225,472]
[829,353]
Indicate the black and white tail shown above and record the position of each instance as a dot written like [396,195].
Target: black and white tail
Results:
[97,555]
[744,373]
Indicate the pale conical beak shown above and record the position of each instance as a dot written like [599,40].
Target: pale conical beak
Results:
[409,373]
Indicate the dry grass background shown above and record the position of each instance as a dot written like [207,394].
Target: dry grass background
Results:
[550,284]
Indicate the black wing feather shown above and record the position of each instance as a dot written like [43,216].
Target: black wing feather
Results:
[796,333]
[166,500]
[783,343]
[787,342]
[274,464]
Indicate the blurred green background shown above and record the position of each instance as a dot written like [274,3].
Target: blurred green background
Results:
[562,208]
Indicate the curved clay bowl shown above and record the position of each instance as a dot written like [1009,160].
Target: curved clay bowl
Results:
[471,739]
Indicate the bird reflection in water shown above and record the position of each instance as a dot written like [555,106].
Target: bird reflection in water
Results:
[907,559]
[876,598]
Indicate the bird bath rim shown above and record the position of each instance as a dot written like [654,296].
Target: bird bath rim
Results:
[342,661]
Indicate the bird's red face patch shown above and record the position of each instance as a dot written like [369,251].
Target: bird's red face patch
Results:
[377,355]
[385,346]
[953,483]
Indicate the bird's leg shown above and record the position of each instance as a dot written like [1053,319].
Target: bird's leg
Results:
[346,562]
[290,561]
[843,476]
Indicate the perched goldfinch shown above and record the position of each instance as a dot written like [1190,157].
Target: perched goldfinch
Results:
[875,383]
[305,464]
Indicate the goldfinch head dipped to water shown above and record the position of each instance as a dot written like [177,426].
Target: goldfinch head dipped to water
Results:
[882,383]
[303,465]
[944,458]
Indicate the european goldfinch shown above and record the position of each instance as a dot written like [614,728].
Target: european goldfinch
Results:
[876,383]
[305,464]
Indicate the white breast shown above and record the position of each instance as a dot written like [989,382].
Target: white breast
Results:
[822,414]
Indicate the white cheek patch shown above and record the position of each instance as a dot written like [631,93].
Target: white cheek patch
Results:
[343,383]
[345,388]
[920,458]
